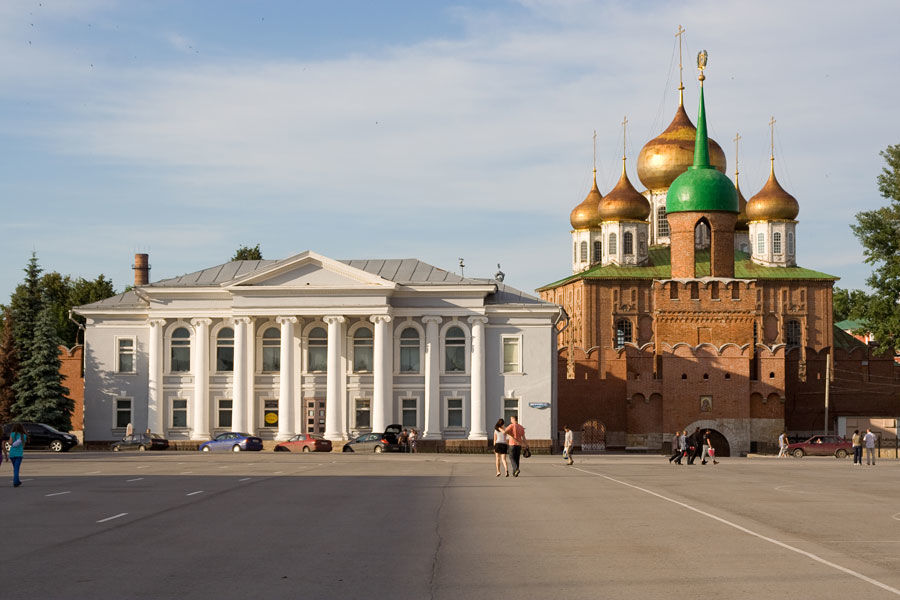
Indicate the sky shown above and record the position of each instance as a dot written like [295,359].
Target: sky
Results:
[408,129]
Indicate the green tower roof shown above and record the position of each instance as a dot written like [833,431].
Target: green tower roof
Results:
[701,188]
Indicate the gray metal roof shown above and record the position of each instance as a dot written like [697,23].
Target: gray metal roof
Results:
[127,299]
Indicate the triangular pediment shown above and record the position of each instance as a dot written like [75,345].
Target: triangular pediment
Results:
[309,270]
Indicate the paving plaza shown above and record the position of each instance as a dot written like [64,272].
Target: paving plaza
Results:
[191,525]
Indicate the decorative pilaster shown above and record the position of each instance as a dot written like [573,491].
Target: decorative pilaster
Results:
[239,379]
[334,429]
[200,358]
[286,380]
[384,373]
[432,378]
[156,410]
[477,429]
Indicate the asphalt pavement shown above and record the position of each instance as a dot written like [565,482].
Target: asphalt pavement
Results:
[256,525]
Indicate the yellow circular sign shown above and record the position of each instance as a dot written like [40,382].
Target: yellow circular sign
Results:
[271,418]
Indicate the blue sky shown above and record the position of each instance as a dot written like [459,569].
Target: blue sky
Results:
[434,130]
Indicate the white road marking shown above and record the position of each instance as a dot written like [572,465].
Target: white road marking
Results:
[186,472]
[135,479]
[56,494]
[766,538]
[112,517]
[224,467]
[144,467]
[278,472]
[896,517]
[244,479]
[194,493]
[93,472]
[24,480]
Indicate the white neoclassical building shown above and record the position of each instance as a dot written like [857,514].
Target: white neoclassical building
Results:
[310,344]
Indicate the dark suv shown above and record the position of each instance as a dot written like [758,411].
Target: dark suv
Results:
[40,436]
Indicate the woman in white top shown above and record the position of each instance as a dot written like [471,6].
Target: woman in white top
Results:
[501,447]
[569,445]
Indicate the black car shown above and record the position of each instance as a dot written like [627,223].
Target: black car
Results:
[40,436]
[376,442]
[140,442]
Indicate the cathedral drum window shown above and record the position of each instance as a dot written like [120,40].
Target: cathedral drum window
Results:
[776,243]
[612,243]
[628,243]
[662,223]
[760,243]
[584,251]
[597,249]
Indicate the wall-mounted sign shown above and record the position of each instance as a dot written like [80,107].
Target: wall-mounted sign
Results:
[539,405]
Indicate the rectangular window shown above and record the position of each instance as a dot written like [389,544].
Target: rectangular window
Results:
[179,413]
[181,356]
[271,357]
[454,412]
[410,413]
[126,355]
[760,243]
[510,409]
[317,358]
[270,413]
[363,412]
[224,413]
[123,412]
[511,355]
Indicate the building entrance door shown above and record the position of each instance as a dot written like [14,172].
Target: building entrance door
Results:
[593,436]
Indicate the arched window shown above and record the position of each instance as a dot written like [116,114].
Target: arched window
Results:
[317,353]
[662,223]
[776,243]
[612,244]
[760,243]
[790,243]
[409,350]
[455,350]
[642,244]
[181,350]
[362,350]
[623,332]
[628,243]
[225,350]
[792,333]
[584,255]
[597,249]
[271,350]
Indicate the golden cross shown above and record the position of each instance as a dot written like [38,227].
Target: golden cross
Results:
[595,152]
[624,136]
[772,133]
[737,143]
[680,33]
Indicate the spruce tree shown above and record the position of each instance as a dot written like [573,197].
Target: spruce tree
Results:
[40,394]
[9,366]
[25,304]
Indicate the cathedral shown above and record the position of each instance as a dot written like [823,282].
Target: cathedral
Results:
[687,305]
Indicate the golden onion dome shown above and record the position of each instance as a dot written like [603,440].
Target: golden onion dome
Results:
[668,155]
[624,203]
[772,203]
[586,215]
[742,219]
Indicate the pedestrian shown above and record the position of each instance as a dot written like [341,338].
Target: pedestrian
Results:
[694,441]
[782,445]
[676,447]
[413,438]
[708,450]
[129,430]
[682,446]
[869,439]
[403,441]
[517,441]
[501,448]
[17,439]
[857,447]
[568,445]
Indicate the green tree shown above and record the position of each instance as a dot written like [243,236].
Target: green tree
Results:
[9,368]
[849,304]
[879,233]
[247,253]
[40,394]
[24,306]
[83,291]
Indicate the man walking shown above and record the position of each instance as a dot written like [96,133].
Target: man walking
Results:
[782,445]
[694,441]
[682,447]
[856,443]
[569,446]
[676,447]
[869,439]
[517,441]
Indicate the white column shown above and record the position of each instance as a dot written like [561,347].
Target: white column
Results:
[286,380]
[200,360]
[239,377]
[432,378]
[383,383]
[156,408]
[333,392]
[477,430]
[250,419]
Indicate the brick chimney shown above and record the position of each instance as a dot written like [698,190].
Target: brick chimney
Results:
[141,268]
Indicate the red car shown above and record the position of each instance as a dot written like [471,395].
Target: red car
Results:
[303,442]
[821,445]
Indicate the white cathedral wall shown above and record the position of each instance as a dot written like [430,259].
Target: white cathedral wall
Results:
[767,256]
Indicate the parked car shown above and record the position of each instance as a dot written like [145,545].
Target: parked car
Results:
[821,445]
[140,442]
[40,436]
[303,442]
[233,441]
[376,442]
